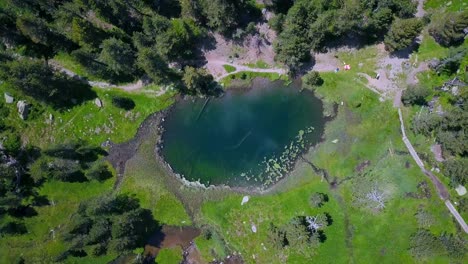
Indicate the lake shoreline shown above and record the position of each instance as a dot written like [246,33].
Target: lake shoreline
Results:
[120,153]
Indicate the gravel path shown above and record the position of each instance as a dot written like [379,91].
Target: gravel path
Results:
[241,68]
[440,187]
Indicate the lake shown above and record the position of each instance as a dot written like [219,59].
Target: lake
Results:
[247,137]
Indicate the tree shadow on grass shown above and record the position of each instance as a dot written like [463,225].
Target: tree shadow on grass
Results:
[76,151]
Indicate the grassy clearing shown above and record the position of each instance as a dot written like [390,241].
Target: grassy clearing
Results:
[87,121]
[245,77]
[143,179]
[67,61]
[169,256]
[453,5]
[211,248]
[39,245]
[366,130]
[259,65]
[362,60]
[229,68]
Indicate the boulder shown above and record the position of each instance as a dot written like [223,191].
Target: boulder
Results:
[23,109]
[461,190]
[98,102]
[8,98]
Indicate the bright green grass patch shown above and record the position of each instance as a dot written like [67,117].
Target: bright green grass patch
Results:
[39,245]
[366,129]
[361,60]
[169,256]
[430,49]
[87,121]
[229,68]
[452,5]
[234,221]
[68,62]
[258,64]
[144,178]
[211,248]
[245,77]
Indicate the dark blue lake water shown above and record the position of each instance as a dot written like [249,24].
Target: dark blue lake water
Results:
[245,138]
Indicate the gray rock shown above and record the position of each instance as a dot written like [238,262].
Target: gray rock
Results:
[98,102]
[8,98]
[23,109]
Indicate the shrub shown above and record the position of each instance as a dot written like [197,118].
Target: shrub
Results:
[447,30]
[99,171]
[402,34]
[318,199]
[415,95]
[123,102]
[11,141]
[312,78]
[457,170]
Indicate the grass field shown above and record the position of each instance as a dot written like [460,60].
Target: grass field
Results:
[169,256]
[229,68]
[246,77]
[258,64]
[366,130]
[39,245]
[87,121]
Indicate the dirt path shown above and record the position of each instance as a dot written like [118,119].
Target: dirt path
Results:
[440,187]
[240,68]
[420,9]
[128,87]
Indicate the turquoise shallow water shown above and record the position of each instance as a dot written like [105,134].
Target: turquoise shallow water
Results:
[244,138]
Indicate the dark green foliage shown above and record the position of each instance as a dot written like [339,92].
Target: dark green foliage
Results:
[415,95]
[402,33]
[190,9]
[301,234]
[223,15]
[75,151]
[454,245]
[154,65]
[198,81]
[38,80]
[425,123]
[453,130]
[123,102]
[318,199]
[13,228]
[118,56]
[109,222]
[309,25]
[126,15]
[68,162]
[424,245]
[99,171]
[276,22]
[449,130]
[456,170]
[178,41]
[43,40]
[447,30]
[312,78]
[58,169]
[86,34]
[463,205]
[450,64]
[280,6]
[11,142]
